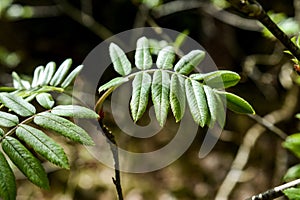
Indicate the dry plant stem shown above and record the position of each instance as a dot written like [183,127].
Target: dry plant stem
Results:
[114,149]
[241,159]
[253,9]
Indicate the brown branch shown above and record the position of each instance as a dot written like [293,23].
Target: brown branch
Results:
[253,9]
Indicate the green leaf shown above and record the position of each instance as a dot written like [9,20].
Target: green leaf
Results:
[165,58]
[43,145]
[25,161]
[70,78]
[45,100]
[63,127]
[120,61]
[292,142]
[113,83]
[7,89]
[143,59]
[218,79]
[189,61]
[17,104]
[160,95]
[177,96]
[17,82]
[140,92]
[221,115]
[292,173]
[8,120]
[74,111]
[212,103]
[197,102]
[48,73]
[292,193]
[61,72]
[8,190]
[38,72]
[237,104]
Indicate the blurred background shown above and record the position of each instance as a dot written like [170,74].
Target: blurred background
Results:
[32,33]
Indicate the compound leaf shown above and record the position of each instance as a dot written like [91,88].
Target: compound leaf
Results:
[25,161]
[8,186]
[160,95]
[71,76]
[61,72]
[237,104]
[43,145]
[165,58]
[140,92]
[197,102]
[177,96]
[64,127]
[113,83]
[189,61]
[48,73]
[8,120]
[74,111]
[120,61]
[45,100]
[143,59]
[17,104]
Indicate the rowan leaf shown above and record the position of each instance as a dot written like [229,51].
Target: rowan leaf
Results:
[237,104]
[48,73]
[160,95]
[25,161]
[189,61]
[197,102]
[17,104]
[43,145]
[64,127]
[70,78]
[74,111]
[38,72]
[177,96]
[45,100]
[140,93]
[120,61]
[143,59]
[113,83]
[165,58]
[8,120]
[61,72]
[8,190]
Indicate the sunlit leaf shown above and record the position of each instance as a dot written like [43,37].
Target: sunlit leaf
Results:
[120,61]
[25,161]
[8,120]
[197,102]
[140,93]
[221,108]
[165,58]
[64,127]
[17,104]
[74,111]
[143,59]
[70,78]
[218,79]
[17,82]
[38,72]
[292,142]
[292,193]
[112,83]
[48,73]
[61,72]
[292,173]
[212,103]
[177,96]
[160,95]
[43,145]
[237,104]
[8,186]
[189,61]
[45,100]
[7,89]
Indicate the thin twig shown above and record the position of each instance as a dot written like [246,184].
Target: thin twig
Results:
[241,159]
